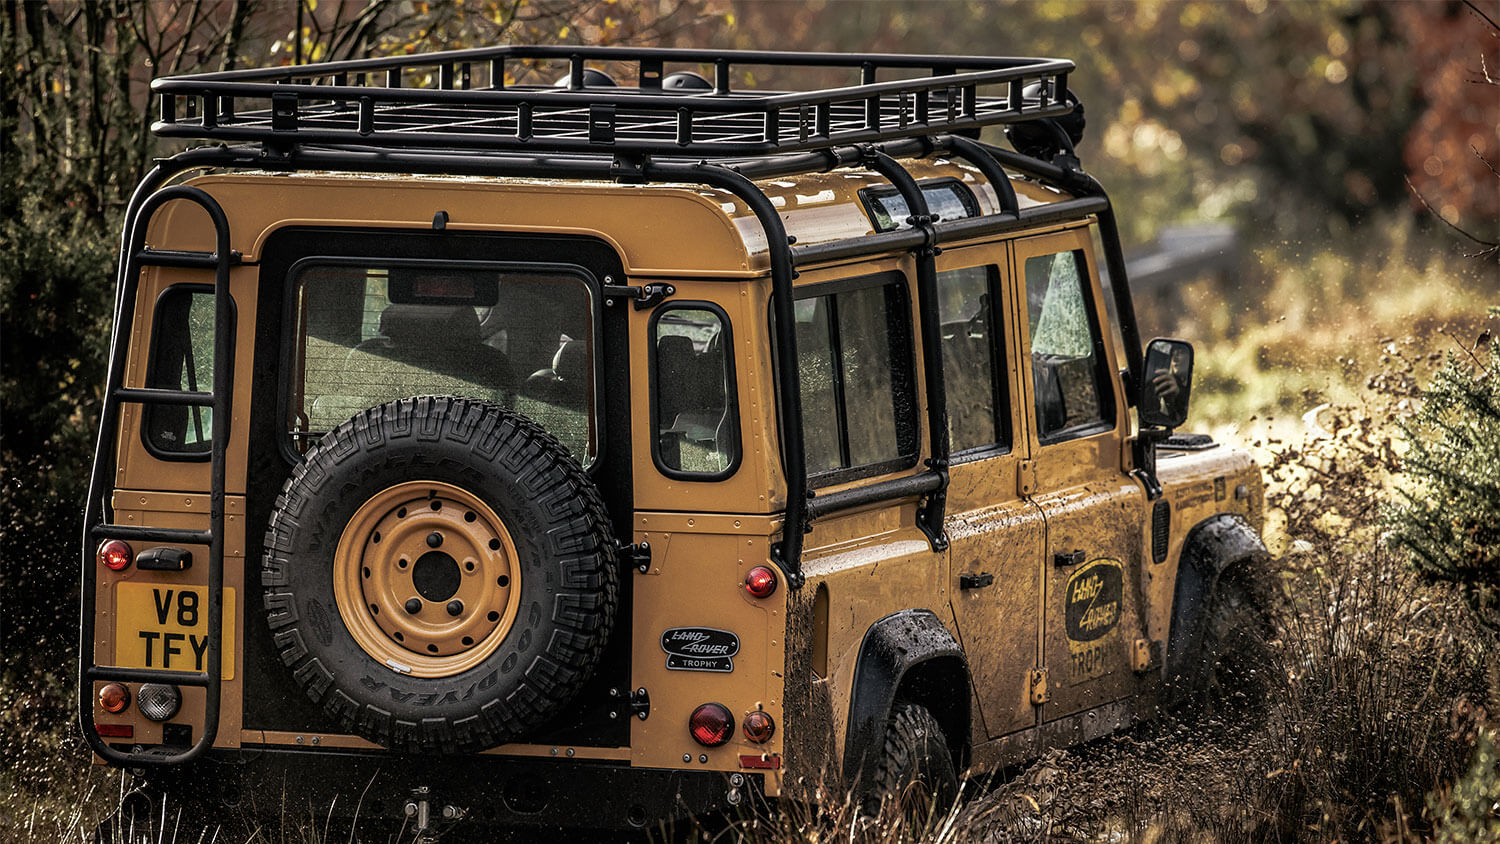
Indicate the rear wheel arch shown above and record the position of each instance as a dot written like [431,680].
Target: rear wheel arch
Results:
[907,656]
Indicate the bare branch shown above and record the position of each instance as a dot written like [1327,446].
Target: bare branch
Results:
[1487,19]
[1491,247]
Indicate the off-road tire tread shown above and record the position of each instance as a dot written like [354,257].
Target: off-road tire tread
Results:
[914,747]
[583,610]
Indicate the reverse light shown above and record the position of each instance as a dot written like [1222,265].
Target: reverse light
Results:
[760,582]
[158,701]
[114,554]
[114,697]
[759,727]
[711,724]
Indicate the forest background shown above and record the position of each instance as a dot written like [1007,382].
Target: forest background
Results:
[1352,144]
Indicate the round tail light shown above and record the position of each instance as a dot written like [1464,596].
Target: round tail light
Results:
[114,555]
[759,727]
[711,724]
[760,582]
[114,697]
[158,701]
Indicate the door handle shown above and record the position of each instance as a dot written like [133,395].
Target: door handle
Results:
[975,581]
[1068,558]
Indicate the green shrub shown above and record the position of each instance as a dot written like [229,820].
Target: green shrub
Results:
[1448,520]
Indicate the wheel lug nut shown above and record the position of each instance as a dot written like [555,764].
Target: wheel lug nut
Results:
[455,607]
[434,539]
[413,605]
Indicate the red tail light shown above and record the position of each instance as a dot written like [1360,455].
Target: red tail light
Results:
[760,582]
[759,727]
[711,724]
[114,555]
[115,730]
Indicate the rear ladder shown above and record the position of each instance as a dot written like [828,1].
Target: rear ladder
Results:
[101,486]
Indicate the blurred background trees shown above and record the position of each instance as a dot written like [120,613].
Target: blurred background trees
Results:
[1302,123]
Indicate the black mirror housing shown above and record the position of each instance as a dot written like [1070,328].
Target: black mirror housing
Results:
[1166,383]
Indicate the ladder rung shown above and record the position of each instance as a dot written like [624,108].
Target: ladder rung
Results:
[182,258]
[148,675]
[151,395]
[146,534]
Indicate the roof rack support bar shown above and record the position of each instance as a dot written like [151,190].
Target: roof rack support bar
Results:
[931,514]
[497,73]
[721,77]
[788,552]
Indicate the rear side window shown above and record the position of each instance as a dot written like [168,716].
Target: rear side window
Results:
[1068,366]
[693,407]
[368,333]
[182,358]
[854,345]
[971,330]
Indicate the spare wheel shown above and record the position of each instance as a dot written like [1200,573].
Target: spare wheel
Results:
[439,575]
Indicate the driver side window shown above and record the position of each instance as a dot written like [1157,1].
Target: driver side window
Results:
[1068,365]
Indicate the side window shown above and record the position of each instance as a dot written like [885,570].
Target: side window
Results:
[971,329]
[1068,366]
[182,358]
[693,407]
[856,367]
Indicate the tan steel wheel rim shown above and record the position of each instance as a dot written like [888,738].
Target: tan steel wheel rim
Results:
[426,579]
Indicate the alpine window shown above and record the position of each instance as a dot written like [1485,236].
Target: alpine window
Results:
[949,199]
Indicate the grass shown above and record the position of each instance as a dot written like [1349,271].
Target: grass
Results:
[1378,692]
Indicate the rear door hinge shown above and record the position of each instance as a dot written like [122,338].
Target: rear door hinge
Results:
[644,295]
[1038,683]
[637,703]
[638,555]
[1025,478]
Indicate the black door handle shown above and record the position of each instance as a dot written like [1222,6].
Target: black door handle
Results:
[975,581]
[1068,558]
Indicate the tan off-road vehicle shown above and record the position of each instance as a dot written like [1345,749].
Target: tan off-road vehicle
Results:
[597,454]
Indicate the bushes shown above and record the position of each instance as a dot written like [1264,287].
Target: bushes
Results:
[1448,521]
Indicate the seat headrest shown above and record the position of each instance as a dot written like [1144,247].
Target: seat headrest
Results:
[430,325]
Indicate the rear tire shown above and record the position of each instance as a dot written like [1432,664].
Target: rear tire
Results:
[915,771]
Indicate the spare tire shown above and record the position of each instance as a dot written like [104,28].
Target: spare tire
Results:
[439,575]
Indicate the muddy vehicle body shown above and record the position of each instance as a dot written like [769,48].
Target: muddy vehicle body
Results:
[470,446]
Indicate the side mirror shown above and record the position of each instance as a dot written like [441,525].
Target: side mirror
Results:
[1166,383]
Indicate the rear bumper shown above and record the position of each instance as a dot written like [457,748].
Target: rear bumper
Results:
[483,789]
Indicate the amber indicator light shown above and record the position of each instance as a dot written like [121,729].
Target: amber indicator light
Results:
[759,727]
[114,555]
[760,582]
[711,724]
[114,697]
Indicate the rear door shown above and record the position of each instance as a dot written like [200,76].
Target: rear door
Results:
[1093,510]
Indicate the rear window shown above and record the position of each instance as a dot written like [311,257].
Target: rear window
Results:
[369,332]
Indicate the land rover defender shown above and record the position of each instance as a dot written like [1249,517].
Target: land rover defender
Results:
[469,444]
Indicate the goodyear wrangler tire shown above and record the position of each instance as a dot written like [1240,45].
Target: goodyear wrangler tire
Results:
[914,777]
[439,575]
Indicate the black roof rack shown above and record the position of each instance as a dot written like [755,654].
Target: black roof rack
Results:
[459,100]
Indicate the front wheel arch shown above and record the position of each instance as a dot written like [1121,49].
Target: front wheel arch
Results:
[1219,546]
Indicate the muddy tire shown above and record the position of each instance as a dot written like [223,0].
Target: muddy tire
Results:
[1232,643]
[915,769]
[439,575]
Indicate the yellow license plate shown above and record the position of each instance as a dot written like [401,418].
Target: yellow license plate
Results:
[165,626]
